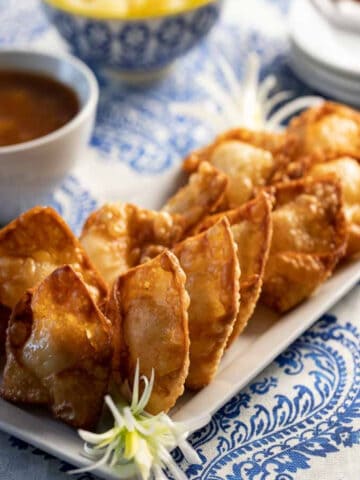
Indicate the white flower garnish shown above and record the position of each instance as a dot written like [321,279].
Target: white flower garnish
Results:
[140,443]
[248,103]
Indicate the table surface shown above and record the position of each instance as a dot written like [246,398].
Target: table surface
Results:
[300,419]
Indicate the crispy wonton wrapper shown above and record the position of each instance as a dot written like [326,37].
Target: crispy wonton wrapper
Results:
[115,236]
[329,130]
[249,159]
[33,246]
[309,238]
[348,171]
[251,227]
[59,350]
[324,132]
[202,194]
[210,263]
[266,141]
[148,308]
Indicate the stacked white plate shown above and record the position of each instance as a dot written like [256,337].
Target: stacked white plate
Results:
[323,55]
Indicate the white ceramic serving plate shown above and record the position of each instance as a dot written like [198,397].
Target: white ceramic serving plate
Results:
[324,80]
[266,336]
[345,14]
[325,44]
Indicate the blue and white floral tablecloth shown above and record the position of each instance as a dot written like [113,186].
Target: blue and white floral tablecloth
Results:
[300,419]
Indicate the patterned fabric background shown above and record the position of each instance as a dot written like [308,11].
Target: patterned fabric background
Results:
[300,419]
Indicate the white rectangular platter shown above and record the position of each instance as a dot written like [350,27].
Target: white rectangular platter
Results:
[266,336]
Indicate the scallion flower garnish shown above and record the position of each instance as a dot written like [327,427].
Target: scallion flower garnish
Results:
[248,103]
[139,443]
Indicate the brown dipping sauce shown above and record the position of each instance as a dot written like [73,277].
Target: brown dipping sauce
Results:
[33,105]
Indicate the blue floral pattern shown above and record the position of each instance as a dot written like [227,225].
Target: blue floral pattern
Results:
[69,194]
[136,45]
[313,420]
[14,29]
[141,129]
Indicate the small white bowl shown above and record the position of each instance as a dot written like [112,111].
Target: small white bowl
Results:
[30,171]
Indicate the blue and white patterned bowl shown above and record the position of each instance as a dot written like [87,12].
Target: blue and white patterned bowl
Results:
[134,45]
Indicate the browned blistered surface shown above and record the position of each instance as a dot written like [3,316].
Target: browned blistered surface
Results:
[59,350]
[210,263]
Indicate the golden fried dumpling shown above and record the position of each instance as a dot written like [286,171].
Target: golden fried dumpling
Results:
[309,237]
[212,271]
[115,236]
[322,133]
[274,143]
[329,130]
[33,246]
[247,167]
[200,196]
[249,160]
[148,309]
[348,171]
[251,226]
[59,350]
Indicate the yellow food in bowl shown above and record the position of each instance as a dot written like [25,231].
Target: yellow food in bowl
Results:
[126,8]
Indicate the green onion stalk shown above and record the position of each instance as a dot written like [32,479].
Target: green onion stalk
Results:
[139,444]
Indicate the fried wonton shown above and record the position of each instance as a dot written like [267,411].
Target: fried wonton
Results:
[148,308]
[309,238]
[59,350]
[348,171]
[33,246]
[249,159]
[324,132]
[210,263]
[202,194]
[115,236]
[265,141]
[329,130]
[251,227]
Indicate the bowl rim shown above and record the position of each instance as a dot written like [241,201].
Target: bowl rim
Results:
[84,111]
[120,18]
